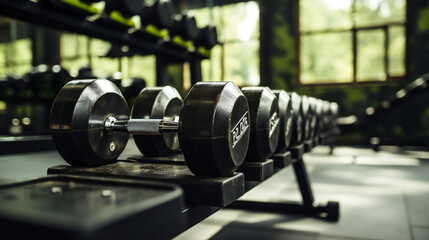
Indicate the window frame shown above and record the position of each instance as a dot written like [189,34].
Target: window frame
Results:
[354,31]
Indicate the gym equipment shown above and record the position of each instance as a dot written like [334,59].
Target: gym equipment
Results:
[207,37]
[286,115]
[297,119]
[75,207]
[119,13]
[126,8]
[159,14]
[264,122]
[78,7]
[306,117]
[158,103]
[184,30]
[90,125]
[46,81]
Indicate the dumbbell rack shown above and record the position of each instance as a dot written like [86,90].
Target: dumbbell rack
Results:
[41,14]
[206,195]
[294,157]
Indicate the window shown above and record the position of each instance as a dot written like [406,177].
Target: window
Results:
[349,41]
[15,48]
[236,58]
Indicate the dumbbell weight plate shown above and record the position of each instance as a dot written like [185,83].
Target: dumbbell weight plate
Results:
[207,37]
[184,25]
[265,122]
[286,115]
[157,103]
[160,14]
[297,119]
[127,8]
[319,114]
[306,117]
[77,122]
[214,128]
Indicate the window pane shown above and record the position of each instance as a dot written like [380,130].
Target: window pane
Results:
[325,14]
[211,68]
[144,67]
[75,64]
[374,12]
[242,63]
[101,65]
[23,53]
[396,51]
[73,45]
[370,55]
[238,21]
[326,58]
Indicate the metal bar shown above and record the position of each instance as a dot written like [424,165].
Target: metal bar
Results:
[303,182]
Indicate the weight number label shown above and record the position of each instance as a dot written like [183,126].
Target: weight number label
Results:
[239,130]
[274,121]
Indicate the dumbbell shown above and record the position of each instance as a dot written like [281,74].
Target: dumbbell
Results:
[46,81]
[318,105]
[306,117]
[286,115]
[297,121]
[264,122]
[207,37]
[158,14]
[120,12]
[185,26]
[90,125]
[126,8]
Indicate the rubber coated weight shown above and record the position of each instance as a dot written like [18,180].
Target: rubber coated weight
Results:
[207,37]
[77,122]
[264,122]
[286,115]
[214,128]
[127,8]
[297,119]
[306,117]
[160,14]
[333,109]
[312,116]
[157,103]
[319,115]
[185,26]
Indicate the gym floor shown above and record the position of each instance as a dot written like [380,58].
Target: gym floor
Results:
[383,195]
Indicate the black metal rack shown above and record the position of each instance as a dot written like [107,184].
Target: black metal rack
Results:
[46,15]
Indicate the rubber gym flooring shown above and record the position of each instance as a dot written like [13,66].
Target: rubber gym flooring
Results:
[383,195]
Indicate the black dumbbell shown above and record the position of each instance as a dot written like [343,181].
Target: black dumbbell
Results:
[286,116]
[127,8]
[185,26]
[207,37]
[90,125]
[306,117]
[297,132]
[264,122]
[158,103]
[46,80]
[159,14]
